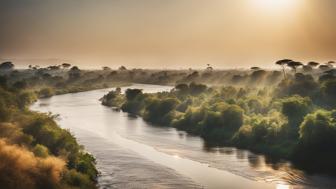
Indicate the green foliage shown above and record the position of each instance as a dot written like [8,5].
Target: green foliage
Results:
[25,98]
[41,151]
[315,149]
[303,85]
[295,108]
[47,147]
[46,92]
[319,129]
[251,118]
[329,92]
[78,180]
[132,93]
[5,112]
[160,111]
[113,98]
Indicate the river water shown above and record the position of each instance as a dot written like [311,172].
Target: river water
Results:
[131,153]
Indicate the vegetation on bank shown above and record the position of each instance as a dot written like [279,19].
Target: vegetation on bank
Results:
[294,119]
[34,151]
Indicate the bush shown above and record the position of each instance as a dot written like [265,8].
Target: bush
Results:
[41,151]
[132,93]
[329,92]
[295,108]
[46,92]
[319,129]
[316,150]
[22,169]
[159,111]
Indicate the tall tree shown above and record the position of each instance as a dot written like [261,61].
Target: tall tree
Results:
[313,64]
[66,65]
[283,63]
[294,65]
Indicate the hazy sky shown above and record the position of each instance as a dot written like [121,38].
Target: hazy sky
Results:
[167,33]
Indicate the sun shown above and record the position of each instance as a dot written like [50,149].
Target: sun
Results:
[273,5]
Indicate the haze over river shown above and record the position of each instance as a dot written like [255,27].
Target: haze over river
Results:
[131,153]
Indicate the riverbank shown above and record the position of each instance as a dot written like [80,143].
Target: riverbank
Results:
[35,151]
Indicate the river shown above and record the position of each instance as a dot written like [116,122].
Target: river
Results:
[131,153]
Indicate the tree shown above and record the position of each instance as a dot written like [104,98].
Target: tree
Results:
[313,64]
[122,68]
[294,65]
[196,89]
[132,93]
[258,75]
[329,92]
[66,65]
[6,66]
[74,72]
[182,88]
[283,63]
[3,82]
[53,67]
[209,68]
[19,85]
[331,63]
[324,67]
[307,68]
[158,110]
[317,140]
[319,128]
[295,108]
[46,92]
[106,68]
[255,68]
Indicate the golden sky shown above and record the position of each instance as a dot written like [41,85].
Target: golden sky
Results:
[167,33]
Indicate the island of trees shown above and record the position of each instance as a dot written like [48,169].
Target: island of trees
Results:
[287,114]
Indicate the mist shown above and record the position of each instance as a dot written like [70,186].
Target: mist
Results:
[165,34]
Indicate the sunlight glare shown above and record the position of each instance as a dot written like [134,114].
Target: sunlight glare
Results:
[282,186]
[274,4]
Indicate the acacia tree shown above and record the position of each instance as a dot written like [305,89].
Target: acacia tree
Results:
[313,64]
[324,67]
[6,66]
[283,63]
[106,68]
[294,65]
[331,63]
[209,67]
[66,65]
[255,68]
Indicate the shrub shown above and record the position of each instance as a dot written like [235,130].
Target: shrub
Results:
[295,108]
[46,92]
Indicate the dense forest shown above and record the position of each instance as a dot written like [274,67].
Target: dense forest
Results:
[287,114]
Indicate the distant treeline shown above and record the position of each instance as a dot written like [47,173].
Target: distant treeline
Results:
[65,78]
[293,118]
